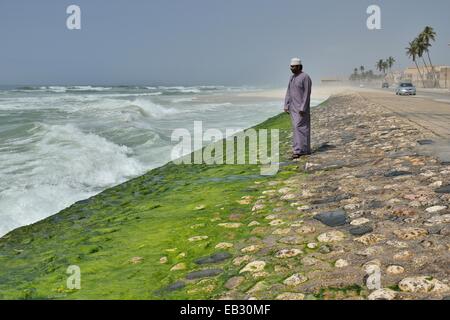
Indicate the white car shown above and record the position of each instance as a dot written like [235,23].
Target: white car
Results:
[406,88]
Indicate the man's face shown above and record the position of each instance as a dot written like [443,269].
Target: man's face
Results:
[295,69]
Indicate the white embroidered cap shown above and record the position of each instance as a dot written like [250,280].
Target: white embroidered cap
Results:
[296,62]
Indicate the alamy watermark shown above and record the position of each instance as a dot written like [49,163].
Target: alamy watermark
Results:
[374,20]
[74,279]
[190,150]
[373,281]
[73,21]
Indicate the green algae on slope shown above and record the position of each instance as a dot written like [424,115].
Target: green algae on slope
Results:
[141,218]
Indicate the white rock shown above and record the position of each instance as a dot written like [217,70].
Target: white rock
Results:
[289,196]
[436,184]
[224,245]
[305,229]
[240,260]
[395,270]
[341,263]
[260,286]
[331,236]
[251,248]
[359,221]
[312,245]
[304,208]
[281,231]
[428,174]
[258,207]
[163,260]
[370,251]
[197,238]
[370,239]
[290,296]
[382,294]
[261,274]
[255,266]
[288,253]
[397,244]
[230,225]
[253,223]
[295,280]
[351,206]
[276,222]
[284,190]
[422,284]
[403,255]
[179,266]
[445,218]
[436,209]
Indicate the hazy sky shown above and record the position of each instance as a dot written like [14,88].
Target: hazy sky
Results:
[186,42]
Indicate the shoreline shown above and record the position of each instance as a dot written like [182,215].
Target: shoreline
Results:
[319,92]
[164,233]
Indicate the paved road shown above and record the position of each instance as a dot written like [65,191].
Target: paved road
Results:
[423,110]
[438,95]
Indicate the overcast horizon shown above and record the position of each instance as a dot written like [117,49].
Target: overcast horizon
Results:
[200,42]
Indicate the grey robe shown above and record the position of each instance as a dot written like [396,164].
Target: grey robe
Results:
[298,97]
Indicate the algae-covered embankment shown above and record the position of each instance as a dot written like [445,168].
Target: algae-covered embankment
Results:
[127,239]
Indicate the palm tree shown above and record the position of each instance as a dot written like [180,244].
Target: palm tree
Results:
[379,65]
[427,36]
[412,52]
[421,47]
[390,62]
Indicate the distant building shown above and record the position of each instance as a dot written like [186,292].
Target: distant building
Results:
[394,77]
[442,75]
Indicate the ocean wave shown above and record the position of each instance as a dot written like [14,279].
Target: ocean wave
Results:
[65,165]
[88,88]
[104,106]
[63,89]
[123,108]
[179,90]
[152,109]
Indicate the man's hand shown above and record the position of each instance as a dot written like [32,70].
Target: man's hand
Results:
[286,109]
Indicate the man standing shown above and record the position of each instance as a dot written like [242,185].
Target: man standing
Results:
[297,104]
